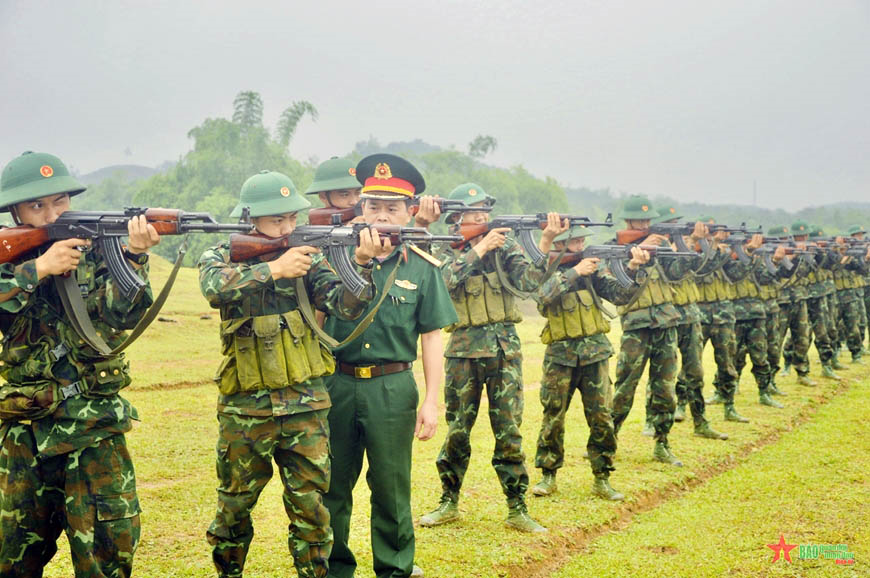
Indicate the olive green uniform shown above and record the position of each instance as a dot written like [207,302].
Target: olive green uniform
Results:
[375,416]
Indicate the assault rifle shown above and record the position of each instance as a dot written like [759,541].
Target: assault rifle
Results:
[616,255]
[675,231]
[105,229]
[334,240]
[334,216]
[523,225]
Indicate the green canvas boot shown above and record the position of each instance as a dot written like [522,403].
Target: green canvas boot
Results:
[601,488]
[765,399]
[547,485]
[773,390]
[805,380]
[416,572]
[703,430]
[447,511]
[519,519]
[828,371]
[648,429]
[836,364]
[662,453]
[856,358]
[785,369]
[714,399]
[732,415]
[680,412]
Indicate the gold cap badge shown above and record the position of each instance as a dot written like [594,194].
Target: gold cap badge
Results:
[644,208]
[351,171]
[285,192]
[472,192]
[382,171]
[672,210]
[46,171]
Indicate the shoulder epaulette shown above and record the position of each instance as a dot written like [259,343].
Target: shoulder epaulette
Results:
[426,256]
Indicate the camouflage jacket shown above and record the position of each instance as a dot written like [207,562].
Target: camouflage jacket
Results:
[586,350]
[657,316]
[40,346]
[247,289]
[487,340]
[720,312]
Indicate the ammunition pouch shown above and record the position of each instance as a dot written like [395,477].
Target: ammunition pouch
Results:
[270,352]
[653,291]
[482,300]
[33,401]
[686,292]
[574,315]
[746,288]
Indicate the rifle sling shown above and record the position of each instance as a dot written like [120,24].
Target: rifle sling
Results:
[324,337]
[519,293]
[77,311]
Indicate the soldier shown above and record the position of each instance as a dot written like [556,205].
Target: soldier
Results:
[335,183]
[795,317]
[857,232]
[64,464]
[374,393]
[649,321]
[718,318]
[849,281]
[273,401]
[690,380]
[771,295]
[484,353]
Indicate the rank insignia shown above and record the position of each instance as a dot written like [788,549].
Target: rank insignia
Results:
[382,171]
[404,284]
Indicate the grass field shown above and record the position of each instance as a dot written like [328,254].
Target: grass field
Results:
[800,472]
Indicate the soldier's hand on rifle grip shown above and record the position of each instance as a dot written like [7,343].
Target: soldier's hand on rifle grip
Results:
[779,253]
[587,266]
[755,242]
[61,257]
[142,235]
[657,240]
[371,245]
[555,227]
[639,257]
[493,240]
[295,262]
[700,231]
[428,213]
[720,235]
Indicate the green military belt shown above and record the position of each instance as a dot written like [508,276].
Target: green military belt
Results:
[369,371]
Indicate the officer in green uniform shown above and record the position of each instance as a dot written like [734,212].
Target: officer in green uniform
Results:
[576,360]
[273,401]
[484,354]
[374,393]
[64,464]
[335,183]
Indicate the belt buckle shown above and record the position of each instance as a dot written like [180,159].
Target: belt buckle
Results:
[363,371]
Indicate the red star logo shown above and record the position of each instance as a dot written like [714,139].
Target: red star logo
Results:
[782,548]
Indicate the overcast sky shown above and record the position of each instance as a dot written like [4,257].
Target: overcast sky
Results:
[691,99]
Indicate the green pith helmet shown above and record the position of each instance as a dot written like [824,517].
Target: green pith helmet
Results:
[668,214]
[637,207]
[800,228]
[778,231]
[707,220]
[855,230]
[35,175]
[269,193]
[816,231]
[470,194]
[334,175]
[572,233]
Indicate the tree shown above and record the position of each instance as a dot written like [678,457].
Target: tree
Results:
[481,146]
[290,119]
[248,109]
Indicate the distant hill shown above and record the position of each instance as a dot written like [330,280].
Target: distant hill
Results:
[126,172]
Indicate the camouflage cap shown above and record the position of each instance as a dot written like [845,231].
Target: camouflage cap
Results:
[637,207]
[334,175]
[269,193]
[33,176]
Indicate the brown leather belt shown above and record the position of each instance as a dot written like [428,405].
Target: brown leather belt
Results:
[369,371]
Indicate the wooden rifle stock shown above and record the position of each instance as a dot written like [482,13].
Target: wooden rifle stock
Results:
[18,241]
[331,216]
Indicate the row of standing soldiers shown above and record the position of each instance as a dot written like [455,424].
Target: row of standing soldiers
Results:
[316,412]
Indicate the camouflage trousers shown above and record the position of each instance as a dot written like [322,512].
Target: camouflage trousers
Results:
[724,342]
[659,346]
[89,493]
[865,319]
[796,323]
[833,320]
[850,315]
[817,310]
[690,381]
[772,324]
[558,385]
[465,381]
[751,335]
[246,446]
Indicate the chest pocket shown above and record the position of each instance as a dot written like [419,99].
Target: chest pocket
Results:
[399,308]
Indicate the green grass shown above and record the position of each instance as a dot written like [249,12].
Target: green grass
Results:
[173,451]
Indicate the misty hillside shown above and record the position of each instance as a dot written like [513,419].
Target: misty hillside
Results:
[124,172]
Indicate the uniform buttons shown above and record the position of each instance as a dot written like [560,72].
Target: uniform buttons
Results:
[30,285]
[102,374]
[378,267]
[402,298]
[115,372]
[81,341]
[368,345]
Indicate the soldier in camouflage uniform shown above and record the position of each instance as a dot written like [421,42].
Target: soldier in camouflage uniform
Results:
[273,402]
[771,295]
[649,322]
[484,354]
[576,359]
[64,464]
[375,410]
[829,263]
[335,183]
[850,293]
[795,319]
